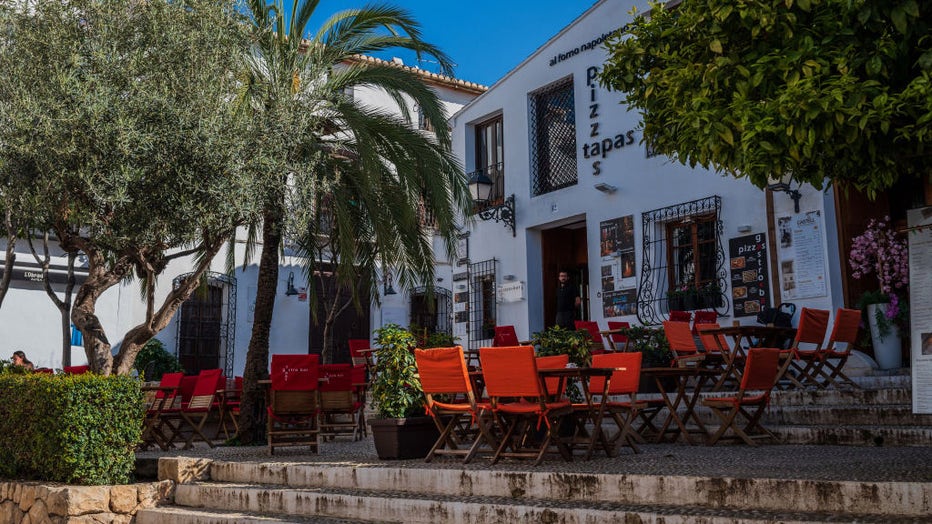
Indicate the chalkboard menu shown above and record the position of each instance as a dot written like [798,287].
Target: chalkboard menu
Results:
[750,286]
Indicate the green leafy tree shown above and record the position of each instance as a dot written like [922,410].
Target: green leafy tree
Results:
[819,89]
[349,180]
[119,136]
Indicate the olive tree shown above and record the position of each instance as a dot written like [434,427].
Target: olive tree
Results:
[118,134]
[837,90]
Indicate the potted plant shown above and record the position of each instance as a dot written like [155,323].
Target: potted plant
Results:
[653,345]
[877,251]
[402,430]
[559,341]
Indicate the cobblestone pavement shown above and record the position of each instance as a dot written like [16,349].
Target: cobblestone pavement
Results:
[879,464]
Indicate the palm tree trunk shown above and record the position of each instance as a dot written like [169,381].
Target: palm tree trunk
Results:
[257,356]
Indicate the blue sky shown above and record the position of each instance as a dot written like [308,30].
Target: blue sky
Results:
[484,38]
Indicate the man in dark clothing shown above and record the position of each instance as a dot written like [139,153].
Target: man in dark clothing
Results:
[567,301]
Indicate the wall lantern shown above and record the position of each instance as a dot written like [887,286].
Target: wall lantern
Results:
[480,187]
[290,291]
[387,288]
[783,184]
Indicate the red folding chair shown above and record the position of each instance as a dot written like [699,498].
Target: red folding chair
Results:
[505,336]
[832,359]
[760,375]
[339,402]
[680,316]
[156,400]
[595,336]
[703,317]
[193,414]
[682,343]
[293,402]
[76,370]
[359,355]
[519,402]
[451,403]
[801,361]
[617,339]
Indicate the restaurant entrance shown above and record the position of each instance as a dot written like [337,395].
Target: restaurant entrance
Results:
[564,248]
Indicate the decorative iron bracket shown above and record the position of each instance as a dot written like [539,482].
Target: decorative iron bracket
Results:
[504,212]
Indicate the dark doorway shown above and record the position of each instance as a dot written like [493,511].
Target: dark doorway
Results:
[351,321]
[565,248]
[200,330]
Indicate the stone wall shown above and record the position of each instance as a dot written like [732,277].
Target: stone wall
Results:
[34,503]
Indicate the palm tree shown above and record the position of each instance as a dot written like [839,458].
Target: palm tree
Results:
[329,160]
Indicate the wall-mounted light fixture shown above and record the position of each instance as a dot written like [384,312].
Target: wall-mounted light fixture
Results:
[480,186]
[290,290]
[387,288]
[606,188]
[509,278]
[783,184]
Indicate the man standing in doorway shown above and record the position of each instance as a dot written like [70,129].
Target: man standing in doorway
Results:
[567,301]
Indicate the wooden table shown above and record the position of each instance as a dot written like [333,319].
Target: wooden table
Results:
[593,413]
[767,336]
[682,375]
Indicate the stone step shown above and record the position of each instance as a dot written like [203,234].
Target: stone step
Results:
[841,397]
[874,415]
[183,515]
[405,506]
[594,489]
[855,435]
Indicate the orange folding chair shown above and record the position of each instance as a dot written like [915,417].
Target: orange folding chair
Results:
[682,343]
[617,339]
[518,401]
[505,336]
[194,412]
[622,388]
[595,336]
[443,372]
[339,402]
[556,386]
[813,323]
[832,359]
[760,375]
[718,352]
[293,402]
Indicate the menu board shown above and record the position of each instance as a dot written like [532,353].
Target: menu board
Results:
[801,255]
[750,287]
[920,307]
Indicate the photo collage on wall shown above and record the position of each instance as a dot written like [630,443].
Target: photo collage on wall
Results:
[616,248]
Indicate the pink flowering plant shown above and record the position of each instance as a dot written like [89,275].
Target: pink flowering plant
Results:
[879,252]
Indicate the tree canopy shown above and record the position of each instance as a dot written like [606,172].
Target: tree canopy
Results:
[118,133]
[837,90]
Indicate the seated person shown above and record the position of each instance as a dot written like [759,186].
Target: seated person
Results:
[19,359]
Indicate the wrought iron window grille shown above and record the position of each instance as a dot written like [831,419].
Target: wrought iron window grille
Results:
[190,333]
[483,303]
[553,136]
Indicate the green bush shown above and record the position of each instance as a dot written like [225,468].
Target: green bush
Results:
[558,341]
[76,429]
[154,360]
[396,387]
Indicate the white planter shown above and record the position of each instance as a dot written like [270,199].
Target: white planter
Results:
[886,349]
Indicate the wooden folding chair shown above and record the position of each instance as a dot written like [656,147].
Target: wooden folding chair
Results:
[359,355]
[76,370]
[595,335]
[622,387]
[719,352]
[156,400]
[293,402]
[193,414]
[458,417]
[760,375]
[703,317]
[618,341]
[682,343]
[340,402]
[800,361]
[518,401]
[680,316]
[229,409]
[555,386]
[832,360]
[505,336]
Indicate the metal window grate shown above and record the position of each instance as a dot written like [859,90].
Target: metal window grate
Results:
[482,303]
[663,260]
[432,312]
[197,328]
[553,128]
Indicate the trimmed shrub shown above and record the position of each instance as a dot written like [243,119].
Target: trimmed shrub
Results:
[76,429]
[154,360]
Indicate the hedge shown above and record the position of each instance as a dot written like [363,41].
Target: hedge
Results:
[75,429]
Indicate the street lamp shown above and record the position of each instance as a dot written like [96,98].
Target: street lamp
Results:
[783,184]
[480,188]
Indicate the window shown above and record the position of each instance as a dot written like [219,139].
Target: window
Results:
[482,307]
[683,260]
[432,313]
[553,136]
[422,122]
[490,157]
[206,325]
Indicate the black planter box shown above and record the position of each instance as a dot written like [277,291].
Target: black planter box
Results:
[403,438]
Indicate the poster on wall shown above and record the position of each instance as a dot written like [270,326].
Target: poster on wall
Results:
[616,244]
[608,278]
[608,238]
[619,303]
[801,255]
[462,249]
[920,307]
[750,286]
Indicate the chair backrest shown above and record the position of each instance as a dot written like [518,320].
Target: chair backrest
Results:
[760,369]
[76,370]
[553,362]
[170,380]
[186,389]
[845,329]
[680,337]
[626,379]
[703,317]
[356,345]
[591,327]
[618,338]
[510,371]
[443,370]
[713,343]
[337,377]
[294,372]
[205,388]
[813,323]
[505,336]
[680,316]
